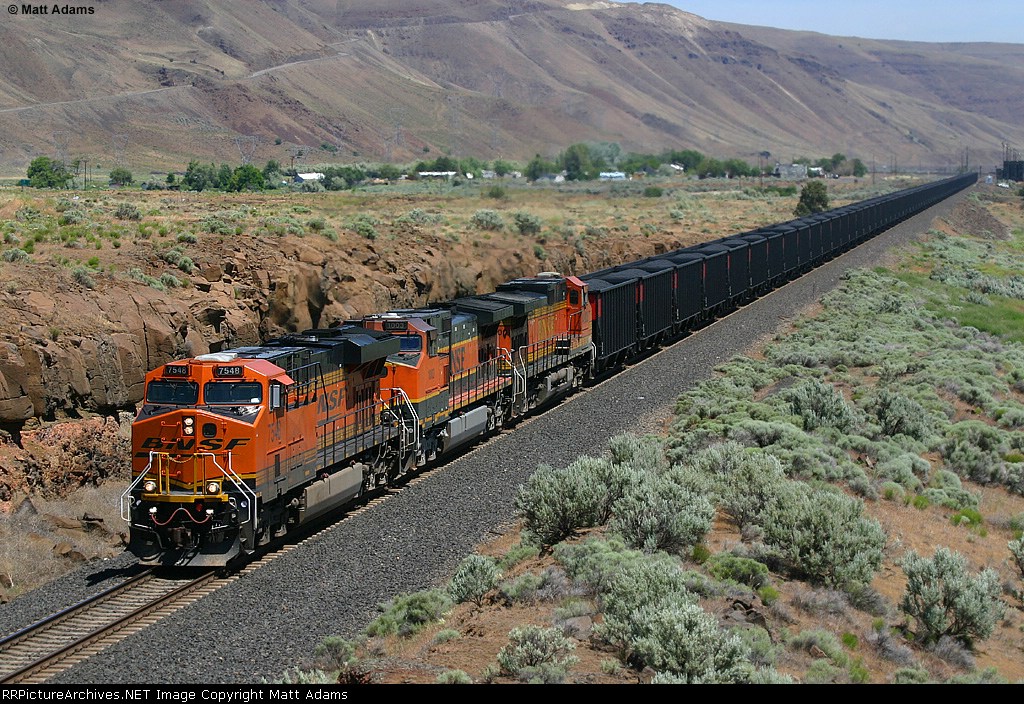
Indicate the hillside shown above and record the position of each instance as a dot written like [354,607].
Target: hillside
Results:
[153,85]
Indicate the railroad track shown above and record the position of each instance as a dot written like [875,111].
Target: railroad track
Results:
[37,652]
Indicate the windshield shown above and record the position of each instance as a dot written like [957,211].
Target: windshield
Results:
[232,392]
[410,343]
[178,393]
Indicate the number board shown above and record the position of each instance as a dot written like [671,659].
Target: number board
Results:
[175,370]
[233,370]
[392,325]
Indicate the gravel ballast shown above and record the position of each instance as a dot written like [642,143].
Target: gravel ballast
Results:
[256,627]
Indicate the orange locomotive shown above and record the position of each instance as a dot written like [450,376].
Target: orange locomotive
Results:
[233,448]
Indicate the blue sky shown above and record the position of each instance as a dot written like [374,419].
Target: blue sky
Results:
[918,20]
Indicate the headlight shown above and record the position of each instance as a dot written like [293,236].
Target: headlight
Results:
[189,430]
[190,425]
[213,488]
[149,486]
[189,420]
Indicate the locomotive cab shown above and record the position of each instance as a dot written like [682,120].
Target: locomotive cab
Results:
[194,444]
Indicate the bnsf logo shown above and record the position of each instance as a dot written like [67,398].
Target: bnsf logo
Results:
[189,444]
[330,401]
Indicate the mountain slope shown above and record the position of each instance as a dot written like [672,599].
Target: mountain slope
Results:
[184,80]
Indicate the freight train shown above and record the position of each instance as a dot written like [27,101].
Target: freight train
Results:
[234,448]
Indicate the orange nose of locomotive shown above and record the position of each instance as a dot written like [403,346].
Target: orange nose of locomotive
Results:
[192,447]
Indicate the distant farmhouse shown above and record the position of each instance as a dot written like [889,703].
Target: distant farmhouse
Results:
[312,176]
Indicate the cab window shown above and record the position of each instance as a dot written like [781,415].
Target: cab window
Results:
[233,393]
[411,343]
[177,393]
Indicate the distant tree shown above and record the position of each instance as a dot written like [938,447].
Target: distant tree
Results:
[171,179]
[539,166]
[246,178]
[710,168]
[688,158]
[502,168]
[857,168]
[389,172]
[577,163]
[272,166]
[813,199]
[199,177]
[444,163]
[121,176]
[223,179]
[640,162]
[738,167]
[836,161]
[44,172]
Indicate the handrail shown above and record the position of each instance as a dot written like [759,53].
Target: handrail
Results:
[228,472]
[404,399]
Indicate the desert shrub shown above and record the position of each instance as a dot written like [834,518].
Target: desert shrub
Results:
[911,675]
[658,514]
[824,535]
[216,225]
[890,646]
[27,213]
[683,640]
[976,451]
[81,276]
[187,238]
[168,280]
[536,653]
[127,211]
[526,223]
[762,651]
[652,192]
[496,192]
[364,226]
[820,640]
[71,217]
[556,504]
[945,600]
[454,677]
[643,452]
[819,405]
[900,415]
[742,570]
[334,652]
[745,480]
[954,652]
[1016,548]
[172,256]
[475,576]
[655,580]
[615,479]
[299,676]
[410,613]
[187,265]
[820,601]
[595,564]
[989,675]
[523,589]
[487,220]
[517,554]
[822,671]
[14,255]
[445,635]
